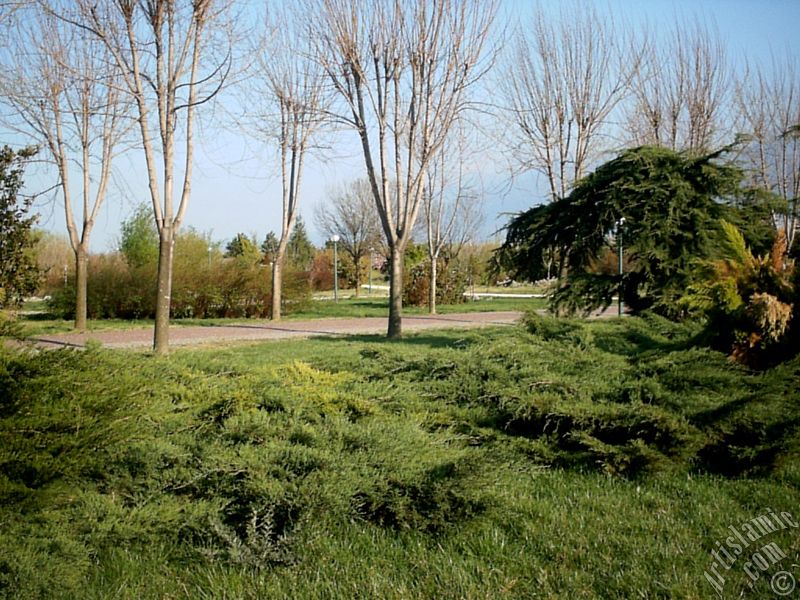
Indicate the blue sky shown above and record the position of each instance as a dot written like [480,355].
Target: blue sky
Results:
[237,189]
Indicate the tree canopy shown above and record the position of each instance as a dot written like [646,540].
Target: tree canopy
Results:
[19,275]
[244,248]
[139,237]
[269,247]
[300,250]
[671,202]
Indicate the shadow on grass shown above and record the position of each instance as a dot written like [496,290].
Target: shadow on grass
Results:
[629,338]
[429,340]
[37,317]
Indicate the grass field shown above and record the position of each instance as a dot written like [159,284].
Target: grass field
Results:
[35,319]
[559,459]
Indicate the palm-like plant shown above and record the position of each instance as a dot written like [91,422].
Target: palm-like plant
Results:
[747,298]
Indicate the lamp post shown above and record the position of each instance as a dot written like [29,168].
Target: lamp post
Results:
[620,307]
[335,239]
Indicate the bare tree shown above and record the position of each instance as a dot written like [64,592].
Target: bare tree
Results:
[352,216]
[287,104]
[170,65]
[562,79]
[9,7]
[403,70]
[681,90]
[450,209]
[768,106]
[64,91]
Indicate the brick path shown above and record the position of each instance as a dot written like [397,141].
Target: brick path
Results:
[266,330]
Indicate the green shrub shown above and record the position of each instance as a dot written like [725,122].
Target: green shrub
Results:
[626,397]
[115,290]
[428,501]
[437,466]
[748,300]
[9,326]
[451,282]
[222,288]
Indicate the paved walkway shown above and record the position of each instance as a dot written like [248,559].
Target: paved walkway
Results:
[266,330]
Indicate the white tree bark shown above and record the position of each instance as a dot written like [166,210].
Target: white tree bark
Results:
[64,91]
[402,71]
[287,106]
[160,48]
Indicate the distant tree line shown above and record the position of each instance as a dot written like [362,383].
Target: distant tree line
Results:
[428,90]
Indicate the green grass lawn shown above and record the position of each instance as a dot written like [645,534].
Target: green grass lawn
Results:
[560,459]
[42,323]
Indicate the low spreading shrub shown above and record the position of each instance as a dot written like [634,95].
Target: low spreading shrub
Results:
[140,452]
[315,468]
[626,397]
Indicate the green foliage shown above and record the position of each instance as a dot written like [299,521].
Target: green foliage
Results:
[753,212]
[671,203]
[438,466]
[243,248]
[347,270]
[478,263]
[10,327]
[115,290]
[299,249]
[269,247]
[53,254]
[139,238]
[221,467]
[204,285]
[749,301]
[19,274]
[451,280]
[321,273]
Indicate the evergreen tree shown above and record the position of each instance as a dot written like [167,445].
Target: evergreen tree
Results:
[671,203]
[300,250]
[243,247]
[269,247]
[19,275]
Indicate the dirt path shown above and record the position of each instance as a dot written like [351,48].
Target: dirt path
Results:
[266,330]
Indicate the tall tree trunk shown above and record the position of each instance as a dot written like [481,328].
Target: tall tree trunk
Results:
[396,294]
[164,298]
[277,277]
[432,287]
[277,284]
[358,275]
[81,279]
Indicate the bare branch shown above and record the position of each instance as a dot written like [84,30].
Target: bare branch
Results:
[768,108]
[681,90]
[160,48]
[563,78]
[402,71]
[286,104]
[63,87]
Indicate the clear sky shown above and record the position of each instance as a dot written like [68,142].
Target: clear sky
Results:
[237,187]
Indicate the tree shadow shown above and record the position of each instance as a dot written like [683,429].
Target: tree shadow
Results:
[35,317]
[429,340]
[631,341]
